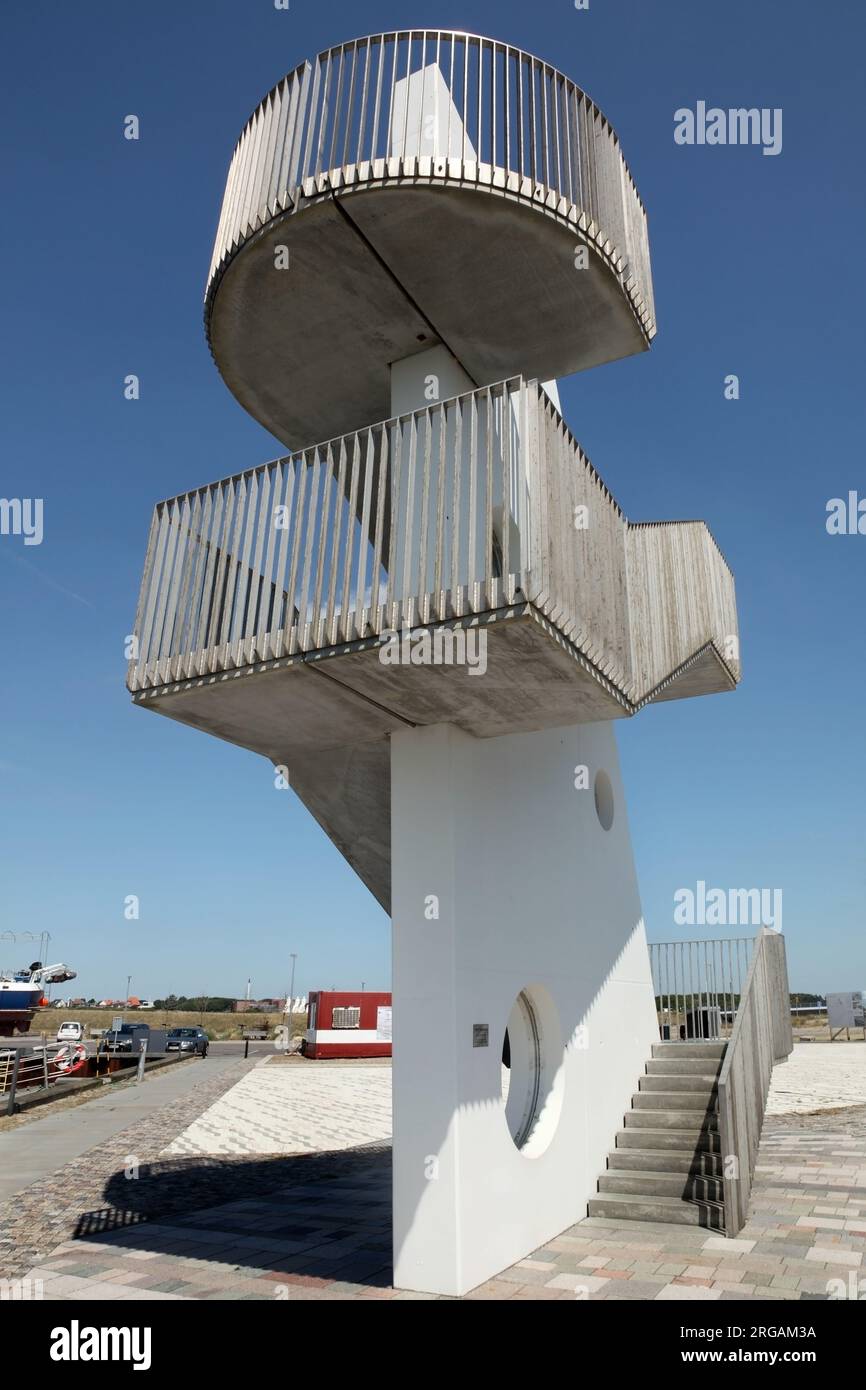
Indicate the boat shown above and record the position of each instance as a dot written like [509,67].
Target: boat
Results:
[22,992]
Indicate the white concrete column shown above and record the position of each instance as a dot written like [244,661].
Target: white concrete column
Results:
[514,905]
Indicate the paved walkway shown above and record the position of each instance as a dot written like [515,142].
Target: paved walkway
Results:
[45,1142]
[819,1076]
[317,1225]
[280,1109]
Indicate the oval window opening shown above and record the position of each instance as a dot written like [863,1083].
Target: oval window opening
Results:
[603,799]
[531,1071]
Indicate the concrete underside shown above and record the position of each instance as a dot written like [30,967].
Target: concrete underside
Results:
[327,717]
[378,274]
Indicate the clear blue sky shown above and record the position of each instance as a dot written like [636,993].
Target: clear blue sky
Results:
[757,272]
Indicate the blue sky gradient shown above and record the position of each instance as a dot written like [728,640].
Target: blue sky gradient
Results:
[107,244]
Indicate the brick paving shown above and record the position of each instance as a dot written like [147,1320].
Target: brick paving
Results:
[317,1226]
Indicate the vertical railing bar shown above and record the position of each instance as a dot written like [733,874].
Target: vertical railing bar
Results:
[232,566]
[324,115]
[465,94]
[505,446]
[196,599]
[392,144]
[337,541]
[479,146]
[507,78]
[406,102]
[289,627]
[261,616]
[347,612]
[215,614]
[377,105]
[440,512]
[455,519]
[364,541]
[422,586]
[489,577]
[421,102]
[338,97]
[493,104]
[309,543]
[365,89]
[396,452]
[534,126]
[472,535]
[244,569]
[322,534]
[205,616]
[170,580]
[407,594]
[350,101]
[452,45]
[381,492]
[278,616]
[184,603]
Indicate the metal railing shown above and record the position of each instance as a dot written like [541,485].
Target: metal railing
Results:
[32,1069]
[698,986]
[761,1036]
[381,106]
[463,507]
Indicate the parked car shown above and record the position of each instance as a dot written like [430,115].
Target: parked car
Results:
[187,1040]
[69,1031]
[130,1036]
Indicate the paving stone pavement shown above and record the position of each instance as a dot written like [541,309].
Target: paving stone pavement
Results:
[819,1076]
[282,1109]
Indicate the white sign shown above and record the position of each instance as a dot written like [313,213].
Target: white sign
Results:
[845,1010]
[116,1024]
[383,1024]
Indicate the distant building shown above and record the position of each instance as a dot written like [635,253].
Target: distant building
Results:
[256,1006]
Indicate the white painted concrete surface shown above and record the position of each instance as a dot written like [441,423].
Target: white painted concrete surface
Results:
[819,1076]
[531,894]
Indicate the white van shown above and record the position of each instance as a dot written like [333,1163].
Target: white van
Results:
[70,1032]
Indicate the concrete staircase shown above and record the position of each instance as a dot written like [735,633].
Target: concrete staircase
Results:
[667,1164]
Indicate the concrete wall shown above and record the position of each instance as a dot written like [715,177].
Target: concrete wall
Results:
[532,893]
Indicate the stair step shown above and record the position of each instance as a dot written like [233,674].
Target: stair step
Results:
[671,1100]
[647,1134]
[689,1049]
[687,1162]
[705,1085]
[660,1184]
[671,1065]
[685,1122]
[623,1206]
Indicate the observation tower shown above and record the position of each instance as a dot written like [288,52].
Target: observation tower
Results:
[431,609]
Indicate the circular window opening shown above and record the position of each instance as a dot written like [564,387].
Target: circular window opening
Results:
[532,1071]
[603,799]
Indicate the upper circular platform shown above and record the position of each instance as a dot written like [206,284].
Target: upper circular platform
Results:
[416,188]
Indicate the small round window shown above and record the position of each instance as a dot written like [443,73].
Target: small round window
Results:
[603,799]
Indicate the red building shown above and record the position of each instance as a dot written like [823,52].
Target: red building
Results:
[348,1024]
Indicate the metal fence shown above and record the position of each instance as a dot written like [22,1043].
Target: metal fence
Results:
[31,1070]
[435,94]
[698,986]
